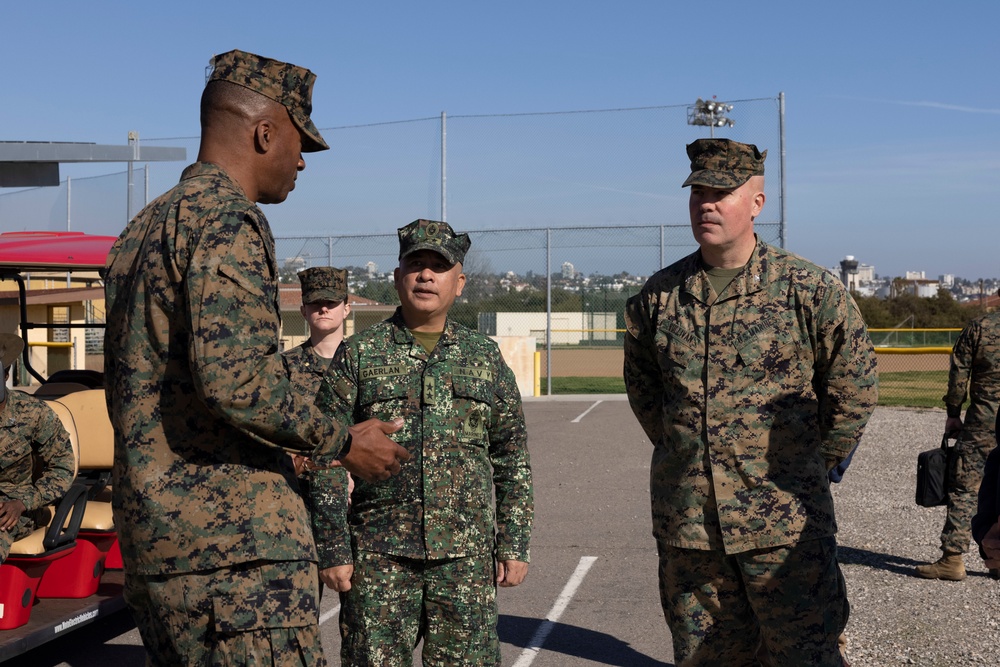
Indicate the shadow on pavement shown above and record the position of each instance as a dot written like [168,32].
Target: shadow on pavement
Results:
[575,641]
[878,561]
[888,562]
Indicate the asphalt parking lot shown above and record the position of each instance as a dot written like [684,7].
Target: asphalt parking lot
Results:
[591,480]
[591,593]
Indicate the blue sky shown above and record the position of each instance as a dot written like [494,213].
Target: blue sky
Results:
[893,143]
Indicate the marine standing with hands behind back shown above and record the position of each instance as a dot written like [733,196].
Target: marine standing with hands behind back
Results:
[220,564]
[974,372]
[751,372]
[324,309]
[429,549]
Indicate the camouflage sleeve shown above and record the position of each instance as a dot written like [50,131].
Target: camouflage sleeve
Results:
[641,370]
[328,488]
[54,457]
[238,371]
[511,469]
[328,502]
[845,376]
[960,369]
[338,392]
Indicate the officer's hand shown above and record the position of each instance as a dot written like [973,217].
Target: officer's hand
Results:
[10,511]
[511,572]
[338,577]
[301,464]
[373,456]
[991,545]
[953,427]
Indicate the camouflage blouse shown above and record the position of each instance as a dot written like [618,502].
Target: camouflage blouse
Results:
[199,396]
[37,461]
[465,431]
[975,368]
[748,398]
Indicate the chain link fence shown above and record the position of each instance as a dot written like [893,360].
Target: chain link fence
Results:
[565,286]
[913,365]
[604,168]
[569,212]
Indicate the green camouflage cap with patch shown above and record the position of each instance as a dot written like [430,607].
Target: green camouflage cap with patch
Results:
[289,85]
[723,163]
[11,346]
[323,283]
[433,235]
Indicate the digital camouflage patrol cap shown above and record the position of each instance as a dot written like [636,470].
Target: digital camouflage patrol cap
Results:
[11,346]
[436,236]
[323,283]
[723,163]
[289,85]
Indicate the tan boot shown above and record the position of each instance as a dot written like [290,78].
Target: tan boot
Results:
[949,567]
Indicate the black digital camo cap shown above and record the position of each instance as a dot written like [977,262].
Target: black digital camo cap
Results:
[323,283]
[436,236]
[287,84]
[723,163]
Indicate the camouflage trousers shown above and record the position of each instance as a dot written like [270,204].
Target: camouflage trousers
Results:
[395,602]
[259,613]
[21,529]
[963,488]
[26,524]
[720,609]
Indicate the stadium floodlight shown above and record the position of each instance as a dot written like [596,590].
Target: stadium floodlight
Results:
[711,114]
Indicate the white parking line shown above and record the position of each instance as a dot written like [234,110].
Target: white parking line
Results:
[329,614]
[535,645]
[585,412]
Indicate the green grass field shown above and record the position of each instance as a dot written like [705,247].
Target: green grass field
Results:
[918,389]
[585,385]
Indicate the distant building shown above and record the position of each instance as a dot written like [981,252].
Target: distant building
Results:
[849,272]
[372,269]
[857,277]
[568,271]
[926,288]
[915,275]
[295,263]
[947,280]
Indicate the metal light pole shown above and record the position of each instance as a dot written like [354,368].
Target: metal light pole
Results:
[710,114]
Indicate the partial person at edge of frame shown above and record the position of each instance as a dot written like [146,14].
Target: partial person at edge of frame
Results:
[973,372]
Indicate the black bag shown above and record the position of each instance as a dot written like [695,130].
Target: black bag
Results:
[933,471]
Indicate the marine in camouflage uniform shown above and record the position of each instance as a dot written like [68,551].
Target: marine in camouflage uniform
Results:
[974,372]
[37,461]
[752,374]
[324,287]
[425,543]
[219,559]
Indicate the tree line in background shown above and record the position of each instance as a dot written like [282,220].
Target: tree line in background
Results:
[479,296]
[485,292]
[913,312]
